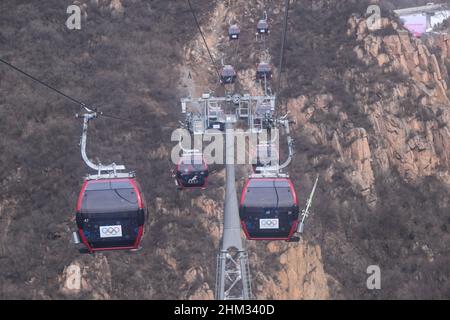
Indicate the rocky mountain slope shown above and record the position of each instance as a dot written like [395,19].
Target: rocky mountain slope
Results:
[371,111]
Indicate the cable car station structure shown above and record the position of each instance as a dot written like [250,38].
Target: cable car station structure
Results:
[280,217]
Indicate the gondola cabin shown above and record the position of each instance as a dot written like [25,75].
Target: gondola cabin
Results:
[110,214]
[269,209]
[264,71]
[262,27]
[233,32]
[192,172]
[227,75]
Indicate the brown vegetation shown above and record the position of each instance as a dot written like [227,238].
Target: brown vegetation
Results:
[128,64]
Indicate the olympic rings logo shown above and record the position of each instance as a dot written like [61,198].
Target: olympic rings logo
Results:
[111,230]
[268,223]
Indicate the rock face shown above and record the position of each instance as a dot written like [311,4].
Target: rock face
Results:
[411,142]
[116,7]
[211,213]
[401,53]
[200,292]
[410,125]
[358,153]
[300,275]
[388,118]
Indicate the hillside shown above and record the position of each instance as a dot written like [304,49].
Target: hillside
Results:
[371,111]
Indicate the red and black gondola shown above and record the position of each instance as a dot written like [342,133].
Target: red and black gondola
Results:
[264,71]
[192,172]
[262,27]
[110,214]
[227,74]
[233,32]
[269,209]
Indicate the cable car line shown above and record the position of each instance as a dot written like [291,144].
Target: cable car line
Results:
[83,105]
[203,37]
